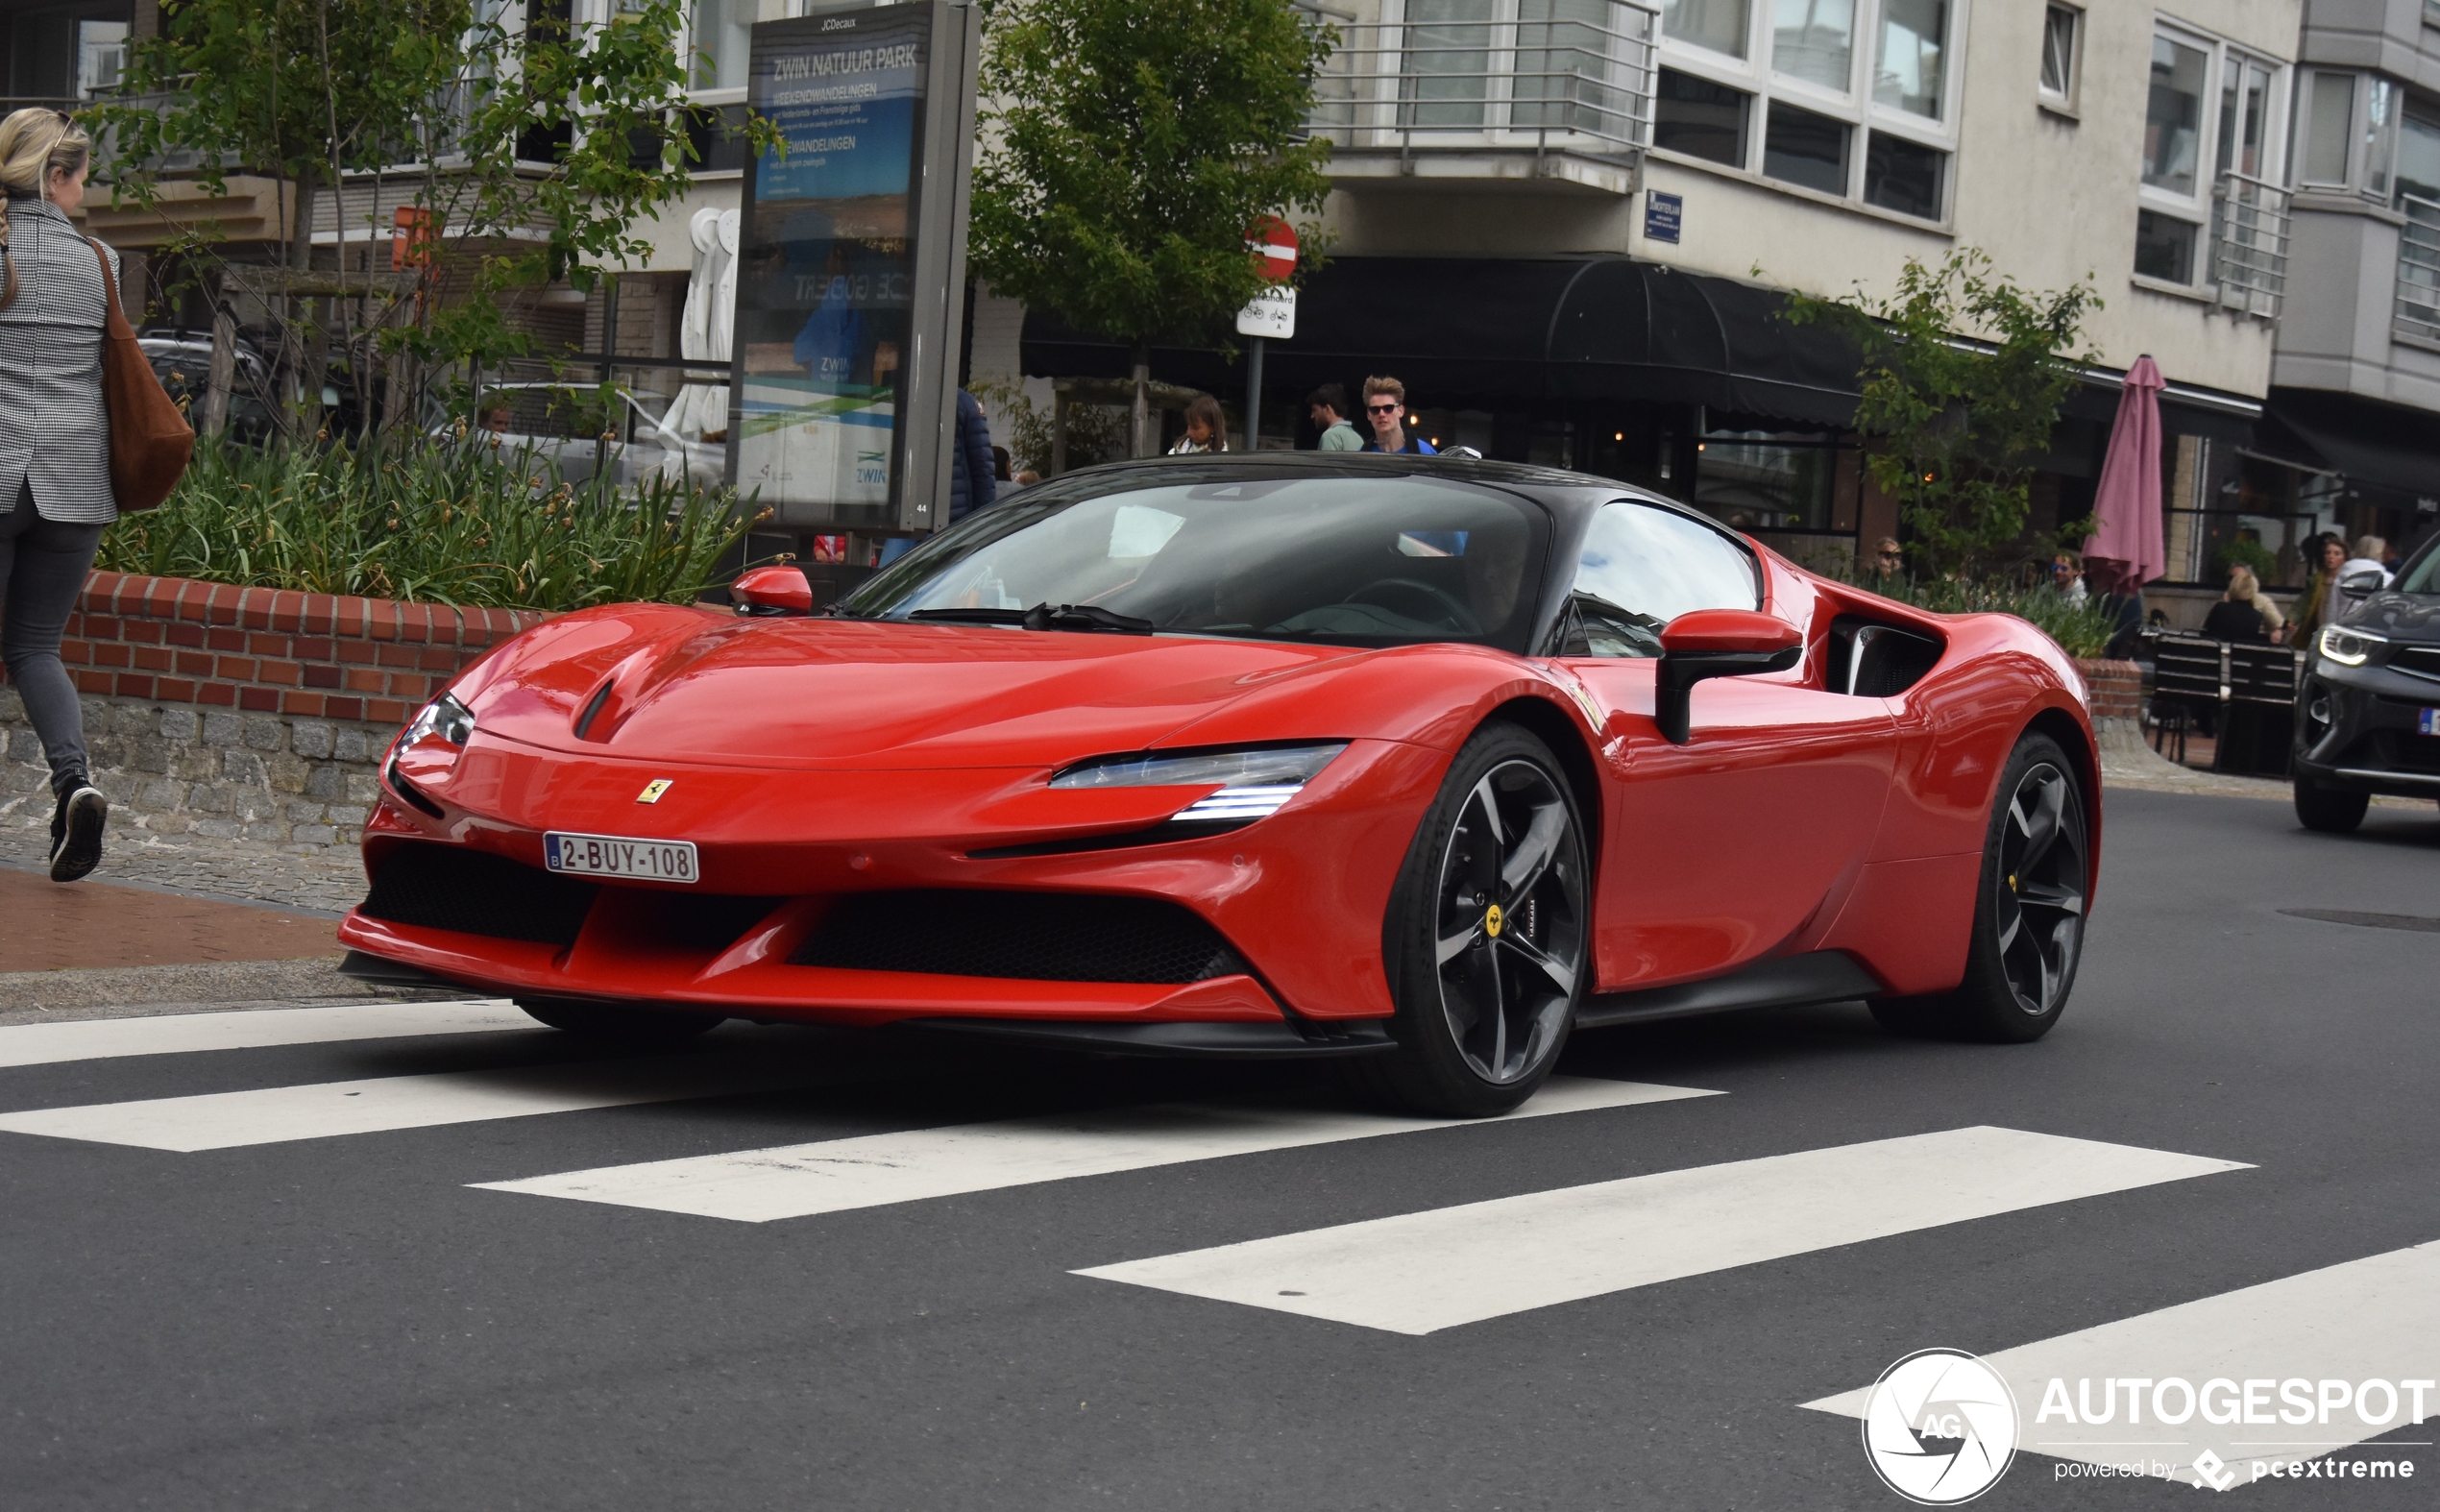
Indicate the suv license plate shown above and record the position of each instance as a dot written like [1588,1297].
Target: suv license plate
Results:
[609,856]
[2427,721]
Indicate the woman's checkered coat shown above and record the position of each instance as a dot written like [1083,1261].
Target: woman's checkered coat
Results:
[53,425]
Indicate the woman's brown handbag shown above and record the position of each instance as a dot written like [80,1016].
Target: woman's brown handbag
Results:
[151,443]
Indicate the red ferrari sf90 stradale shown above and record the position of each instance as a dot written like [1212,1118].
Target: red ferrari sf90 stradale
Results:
[1415,762]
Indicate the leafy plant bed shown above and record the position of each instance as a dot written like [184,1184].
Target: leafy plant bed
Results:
[444,519]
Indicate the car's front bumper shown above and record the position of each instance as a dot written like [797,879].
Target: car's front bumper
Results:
[2357,730]
[1299,897]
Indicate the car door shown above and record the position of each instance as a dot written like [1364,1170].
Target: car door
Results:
[1745,840]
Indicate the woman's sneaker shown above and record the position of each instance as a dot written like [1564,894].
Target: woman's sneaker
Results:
[76,832]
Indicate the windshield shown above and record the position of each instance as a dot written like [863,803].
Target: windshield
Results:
[1359,561]
[2422,575]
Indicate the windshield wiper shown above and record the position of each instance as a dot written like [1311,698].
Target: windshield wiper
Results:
[1042,617]
[974,616]
[1081,617]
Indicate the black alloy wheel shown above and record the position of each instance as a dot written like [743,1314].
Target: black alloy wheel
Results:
[623,1025]
[1490,932]
[2028,910]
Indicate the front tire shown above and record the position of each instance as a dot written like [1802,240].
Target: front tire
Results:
[2329,810]
[2028,910]
[620,1024]
[1489,934]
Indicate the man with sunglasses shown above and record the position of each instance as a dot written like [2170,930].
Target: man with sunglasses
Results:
[1386,408]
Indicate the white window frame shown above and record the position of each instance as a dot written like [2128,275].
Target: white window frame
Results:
[2358,177]
[1855,108]
[2196,209]
[2063,100]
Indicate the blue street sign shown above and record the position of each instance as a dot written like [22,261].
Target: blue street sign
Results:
[1662,215]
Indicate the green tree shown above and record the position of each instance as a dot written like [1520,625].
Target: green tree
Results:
[1964,373]
[538,149]
[1127,151]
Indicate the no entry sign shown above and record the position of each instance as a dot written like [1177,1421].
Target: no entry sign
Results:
[1274,243]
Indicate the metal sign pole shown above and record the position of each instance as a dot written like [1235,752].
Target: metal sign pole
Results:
[1253,398]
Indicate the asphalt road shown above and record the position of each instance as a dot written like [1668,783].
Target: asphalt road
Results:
[348,1320]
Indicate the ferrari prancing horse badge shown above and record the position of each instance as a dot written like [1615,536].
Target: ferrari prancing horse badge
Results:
[654,789]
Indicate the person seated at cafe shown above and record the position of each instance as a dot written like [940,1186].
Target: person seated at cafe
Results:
[2068,575]
[2239,614]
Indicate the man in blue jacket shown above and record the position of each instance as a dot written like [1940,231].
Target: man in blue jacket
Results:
[971,476]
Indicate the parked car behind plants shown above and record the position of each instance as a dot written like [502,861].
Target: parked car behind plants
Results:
[564,424]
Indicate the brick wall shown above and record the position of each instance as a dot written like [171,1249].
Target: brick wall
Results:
[263,650]
[2115,688]
[241,713]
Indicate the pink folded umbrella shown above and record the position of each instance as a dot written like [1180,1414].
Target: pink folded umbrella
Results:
[2125,550]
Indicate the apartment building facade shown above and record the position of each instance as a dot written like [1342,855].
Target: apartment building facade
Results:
[1564,225]
[2355,378]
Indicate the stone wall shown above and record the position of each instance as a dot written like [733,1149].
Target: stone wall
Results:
[243,714]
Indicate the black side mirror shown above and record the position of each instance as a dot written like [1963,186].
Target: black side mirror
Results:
[2363,584]
[1716,643]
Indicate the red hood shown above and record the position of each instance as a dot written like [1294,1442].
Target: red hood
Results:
[688,685]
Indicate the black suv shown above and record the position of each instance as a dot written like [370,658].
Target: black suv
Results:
[2368,713]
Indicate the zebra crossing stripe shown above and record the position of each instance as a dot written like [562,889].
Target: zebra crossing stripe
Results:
[247,1029]
[837,1175]
[274,1115]
[2371,1320]
[1422,1271]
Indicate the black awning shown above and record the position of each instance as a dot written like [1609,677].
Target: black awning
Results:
[1483,329]
[2386,453]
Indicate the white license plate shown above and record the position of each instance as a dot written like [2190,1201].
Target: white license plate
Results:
[2428,721]
[610,856]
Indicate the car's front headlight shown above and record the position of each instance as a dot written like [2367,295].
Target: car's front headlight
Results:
[2349,647]
[1253,783]
[444,718]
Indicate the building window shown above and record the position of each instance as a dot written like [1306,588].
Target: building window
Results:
[1815,41]
[2212,111]
[2164,247]
[101,56]
[2330,123]
[2173,116]
[1904,176]
[1717,25]
[1802,147]
[1850,98]
[2062,29]
[720,34]
[1699,118]
[2351,132]
[1914,41]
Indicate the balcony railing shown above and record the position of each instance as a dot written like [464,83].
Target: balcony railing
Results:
[2417,316]
[2249,244]
[1541,76]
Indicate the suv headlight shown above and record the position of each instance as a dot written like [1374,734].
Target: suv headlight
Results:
[1253,783]
[444,718]
[2349,647]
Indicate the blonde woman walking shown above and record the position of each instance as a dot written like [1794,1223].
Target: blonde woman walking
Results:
[55,452]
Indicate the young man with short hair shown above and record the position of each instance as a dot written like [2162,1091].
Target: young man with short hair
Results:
[1328,405]
[1386,408]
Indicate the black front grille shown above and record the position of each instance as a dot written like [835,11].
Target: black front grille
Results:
[2424,659]
[709,921]
[1042,937]
[474,892]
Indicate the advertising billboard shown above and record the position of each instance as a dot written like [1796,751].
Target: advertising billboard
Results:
[851,264]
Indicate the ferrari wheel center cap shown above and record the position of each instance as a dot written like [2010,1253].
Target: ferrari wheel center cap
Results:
[1491,922]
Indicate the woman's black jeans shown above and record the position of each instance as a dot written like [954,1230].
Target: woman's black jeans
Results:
[43,565]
